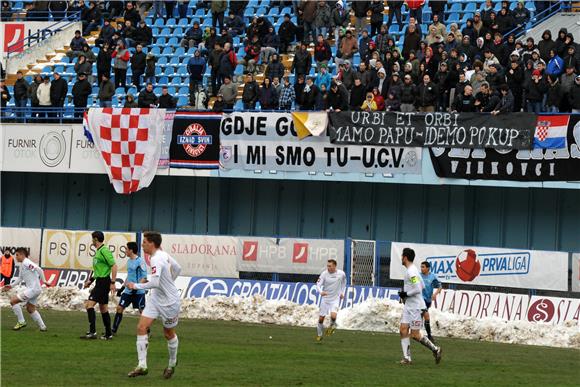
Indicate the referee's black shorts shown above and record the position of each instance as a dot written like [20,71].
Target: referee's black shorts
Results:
[100,293]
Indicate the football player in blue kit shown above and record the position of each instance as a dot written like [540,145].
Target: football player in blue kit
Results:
[430,291]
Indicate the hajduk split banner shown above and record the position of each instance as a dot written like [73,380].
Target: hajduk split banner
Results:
[288,255]
[269,142]
[490,266]
[195,143]
[449,130]
[556,164]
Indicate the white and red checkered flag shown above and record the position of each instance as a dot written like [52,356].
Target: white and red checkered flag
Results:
[129,141]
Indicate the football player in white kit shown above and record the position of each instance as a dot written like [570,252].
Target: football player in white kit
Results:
[412,321]
[30,274]
[331,285]
[163,302]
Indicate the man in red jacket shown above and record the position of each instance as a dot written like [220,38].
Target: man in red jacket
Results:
[416,9]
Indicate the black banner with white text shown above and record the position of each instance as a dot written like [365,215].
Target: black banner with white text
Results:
[195,141]
[539,164]
[447,130]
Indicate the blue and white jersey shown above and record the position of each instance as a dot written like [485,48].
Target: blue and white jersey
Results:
[136,271]
[431,283]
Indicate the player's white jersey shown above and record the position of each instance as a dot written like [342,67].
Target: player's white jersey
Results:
[164,271]
[332,283]
[31,274]
[413,285]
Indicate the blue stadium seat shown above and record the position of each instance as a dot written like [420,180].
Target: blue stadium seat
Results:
[172,41]
[155,50]
[471,7]
[184,90]
[183,22]
[158,22]
[182,101]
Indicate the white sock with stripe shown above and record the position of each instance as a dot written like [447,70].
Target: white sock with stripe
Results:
[172,348]
[38,319]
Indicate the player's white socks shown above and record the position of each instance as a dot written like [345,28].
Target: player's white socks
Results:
[427,343]
[406,347]
[172,347]
[320,329]
[38,319]
[18,312]
[142,343]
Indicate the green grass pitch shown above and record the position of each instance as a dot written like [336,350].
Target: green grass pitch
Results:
[215,353]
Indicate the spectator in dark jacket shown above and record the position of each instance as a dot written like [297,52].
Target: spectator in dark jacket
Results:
[76,45]
[545,45]
[104,62]
[196,68]
[322,51]
[147,97]
[4,97]
[357,94]
[535,91]
[131,14]
[268,96]
[408,94]
[309,95]
[302,61]
[287,33]
[21,88]
[193,36]
[250,93]
[228,62]
[506,102]
[106,91]
[427,95]
[521,15]
[143,34]
[464,101]
[166,100]
[80,92]
[574,95]
[138,63]
[234,24]
[58,91]
[337,99]
[515,80]
[361,11]
[554,95]
[91,18]
[275,68]
[106,34]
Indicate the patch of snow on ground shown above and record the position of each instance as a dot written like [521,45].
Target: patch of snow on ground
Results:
[376,315]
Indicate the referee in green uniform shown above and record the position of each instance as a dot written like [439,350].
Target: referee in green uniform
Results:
[104,274]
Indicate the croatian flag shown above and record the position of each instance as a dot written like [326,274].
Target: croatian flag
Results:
[551,132]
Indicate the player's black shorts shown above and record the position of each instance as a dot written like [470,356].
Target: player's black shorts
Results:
[100,293]
[137,300]
[427,305]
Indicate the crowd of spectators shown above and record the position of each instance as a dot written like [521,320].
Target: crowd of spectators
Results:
[443,67]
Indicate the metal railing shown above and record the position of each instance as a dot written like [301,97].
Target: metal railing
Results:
[40,35]
[538,18]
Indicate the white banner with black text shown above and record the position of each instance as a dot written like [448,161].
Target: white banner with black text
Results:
[269,141]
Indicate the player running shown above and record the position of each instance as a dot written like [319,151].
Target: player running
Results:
[136,272]
[431,282]
[331,285]
[163,302]
[104,274]
[411,321]
[30,274]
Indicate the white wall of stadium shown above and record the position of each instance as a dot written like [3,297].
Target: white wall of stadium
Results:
[63,148]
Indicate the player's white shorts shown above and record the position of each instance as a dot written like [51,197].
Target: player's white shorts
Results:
[169,314]
[413,318]
[28,295]
[329,306]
